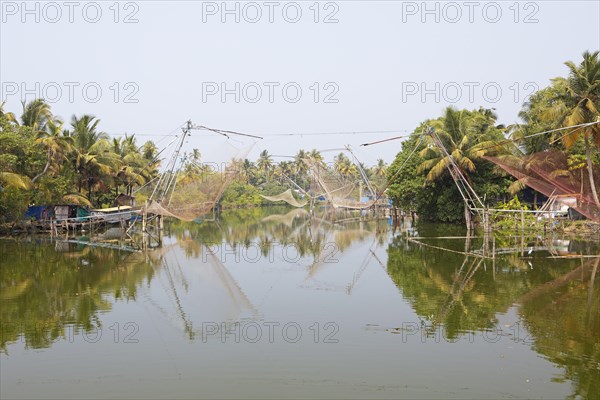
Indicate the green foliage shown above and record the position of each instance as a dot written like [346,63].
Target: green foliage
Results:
[13,202]
[419,177]
[512,204]
[240,194]
[406,188]
[41,162]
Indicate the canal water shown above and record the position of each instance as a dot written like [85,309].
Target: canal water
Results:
[270,303]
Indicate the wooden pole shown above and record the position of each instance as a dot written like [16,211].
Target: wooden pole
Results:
[468,217]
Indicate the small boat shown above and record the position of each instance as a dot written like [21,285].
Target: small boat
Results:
[114,215]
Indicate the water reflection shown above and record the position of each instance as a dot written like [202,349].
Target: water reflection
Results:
[559,300]
[47,286]
[256,264]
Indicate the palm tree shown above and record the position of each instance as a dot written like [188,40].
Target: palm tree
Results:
[57,146]
[248,170]
[380,169]
[300,166]
[129,166]
[93,158]
[344,166]
[36,114]
[265,163]
[9,116]
[195,157]
[579,104]
[85,132]
[11,179]
[466,139]
[149,151]
[284,170]
[316,156]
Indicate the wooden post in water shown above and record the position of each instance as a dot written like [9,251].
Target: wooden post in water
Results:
[522,232]
[486,232]
[468,218]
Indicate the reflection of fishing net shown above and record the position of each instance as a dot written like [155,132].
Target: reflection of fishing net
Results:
[286,219]
[286,196]
[200,290]
[194,191]
[548,173]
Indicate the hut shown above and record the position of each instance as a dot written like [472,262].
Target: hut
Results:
[59,212]
[124,200]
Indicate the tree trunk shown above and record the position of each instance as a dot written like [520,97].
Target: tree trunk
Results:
[44,171]
[590,166]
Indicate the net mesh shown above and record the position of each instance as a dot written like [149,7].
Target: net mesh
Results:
[191,195]
[351,191]
[286,196]
[549,173]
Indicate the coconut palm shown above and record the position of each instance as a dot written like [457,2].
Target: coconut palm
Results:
[579,104]
[344,166]
[93,156]
[380,169]
[36,114]
[467,137]
[284,170]
[265,163]
[11,179]
[56,144]
[85,132]
[248,170]
[300,166]
[128,163]
[316,156]
[8,116]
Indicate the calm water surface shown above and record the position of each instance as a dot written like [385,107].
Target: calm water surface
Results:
[269,303]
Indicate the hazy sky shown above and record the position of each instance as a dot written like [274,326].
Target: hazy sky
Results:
[145,67]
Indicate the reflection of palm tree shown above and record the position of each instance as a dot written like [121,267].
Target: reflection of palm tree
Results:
[65,295]
[556,316]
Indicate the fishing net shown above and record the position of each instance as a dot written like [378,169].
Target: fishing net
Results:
[194,190]
[549,173]
[286,196]
[353,191]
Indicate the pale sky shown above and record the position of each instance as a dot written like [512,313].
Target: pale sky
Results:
[383,66]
